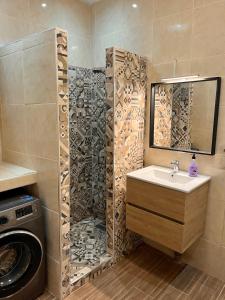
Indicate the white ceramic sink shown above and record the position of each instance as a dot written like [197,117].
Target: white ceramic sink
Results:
[165,177]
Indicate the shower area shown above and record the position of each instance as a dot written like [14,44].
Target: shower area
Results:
[103,110]
[87,131]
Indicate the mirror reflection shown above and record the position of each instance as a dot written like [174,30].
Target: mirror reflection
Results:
[184,115]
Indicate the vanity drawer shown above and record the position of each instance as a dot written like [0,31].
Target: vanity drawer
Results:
[164,201]
[161,230]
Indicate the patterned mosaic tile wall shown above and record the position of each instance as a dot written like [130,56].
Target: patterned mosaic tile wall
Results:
[163,114]
[181,116]
[99,108]
[64,172]
[126,96]
[173,115]
[87,143]
[125,110]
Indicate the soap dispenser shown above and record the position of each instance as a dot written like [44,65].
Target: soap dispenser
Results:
[193,168]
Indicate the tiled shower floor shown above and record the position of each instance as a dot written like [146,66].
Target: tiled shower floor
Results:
[88,247]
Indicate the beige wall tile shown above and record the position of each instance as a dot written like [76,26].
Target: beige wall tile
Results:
[40,74]
[157,72]
[80,51]
[52,233]
[172,38]
[220,146]
[209,20]
[183,68]
[164,8]
[223,238]
[101,43]
[14,127]
[214,219]
[17,158]
[44,17]
[209,66]
[119,15]
[17,8]
[47,181]
[11,78]
[76,18]
[39,38]
[42,134]
[208,26]
[136,40]
[221,268]
[53,277]
[142,15]
[108,18]
[198,3]
[120,25]
[20,18]
[219,161]
[218,179]
[11,29]
[207,257]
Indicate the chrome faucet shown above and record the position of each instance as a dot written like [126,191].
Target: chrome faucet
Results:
[175,166]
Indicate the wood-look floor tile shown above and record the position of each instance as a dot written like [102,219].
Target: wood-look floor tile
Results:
[122,276]
[206,288]
[186,280]
[130,294]
[170,274]
[221,296]
[171,293]
[159,278]
[132,277]
[149,275]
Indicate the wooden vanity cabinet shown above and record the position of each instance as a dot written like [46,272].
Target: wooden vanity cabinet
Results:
[169,217]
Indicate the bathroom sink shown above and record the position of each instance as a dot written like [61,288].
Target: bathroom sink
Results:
[165,177]
[171,177]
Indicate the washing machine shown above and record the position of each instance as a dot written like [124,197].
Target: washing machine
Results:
[22,255]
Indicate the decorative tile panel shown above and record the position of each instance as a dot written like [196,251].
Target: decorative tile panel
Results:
[87,112]
[109,149]
[87,143]
[181,115]
[126,96]
[173,105]
[163,115]
[64,172]
[80,118]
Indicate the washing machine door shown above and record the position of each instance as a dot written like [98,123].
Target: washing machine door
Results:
[21,254]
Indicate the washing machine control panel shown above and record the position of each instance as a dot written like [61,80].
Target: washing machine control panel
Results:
[24,211]
[3,220]
[19,214]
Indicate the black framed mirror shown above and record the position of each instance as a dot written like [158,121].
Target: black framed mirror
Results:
[184,115]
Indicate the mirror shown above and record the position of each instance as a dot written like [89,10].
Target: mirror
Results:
[184,115]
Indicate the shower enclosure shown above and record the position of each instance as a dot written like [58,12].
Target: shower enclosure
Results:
[87,121]
[105,111]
